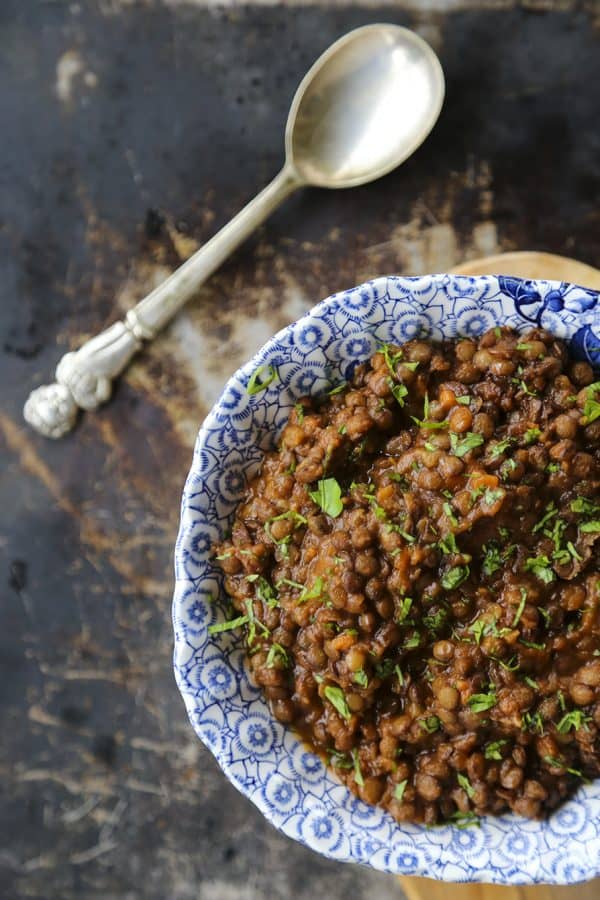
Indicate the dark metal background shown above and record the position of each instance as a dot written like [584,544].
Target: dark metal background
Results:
[128,134]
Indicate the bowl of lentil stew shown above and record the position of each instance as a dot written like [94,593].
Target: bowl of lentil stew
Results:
[264,757]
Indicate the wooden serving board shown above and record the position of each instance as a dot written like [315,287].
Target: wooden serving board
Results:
[526,264]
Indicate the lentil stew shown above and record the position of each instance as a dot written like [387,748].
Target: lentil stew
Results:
[416,572]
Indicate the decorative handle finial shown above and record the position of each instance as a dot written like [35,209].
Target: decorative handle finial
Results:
[84,378]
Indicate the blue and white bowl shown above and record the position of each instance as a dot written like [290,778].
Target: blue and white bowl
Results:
[266,761]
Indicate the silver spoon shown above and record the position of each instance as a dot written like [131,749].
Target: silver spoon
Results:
[366,104]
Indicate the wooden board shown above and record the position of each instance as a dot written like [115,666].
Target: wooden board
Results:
[526,264]
[531,264]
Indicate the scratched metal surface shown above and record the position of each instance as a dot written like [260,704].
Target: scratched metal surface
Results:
[129,133]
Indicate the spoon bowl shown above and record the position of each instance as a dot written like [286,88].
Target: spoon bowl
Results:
[366,104]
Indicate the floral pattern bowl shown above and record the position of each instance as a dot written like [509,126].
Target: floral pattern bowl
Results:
[265,761]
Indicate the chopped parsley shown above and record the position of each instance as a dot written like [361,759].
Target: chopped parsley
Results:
[399,790]
[461,446]
[328,496]
[254,623]
[336,697]
[448,544]
[339,760]
[404,609]
[575,719]
[435,621]
[532,645]
[360,678]
[358,777]
[277,657]
[585,506]
[392,357]
[465,819]
[316,592]
[454,577]
[492,561]
[492,751]
[520,609]
[590,527]
[559,764]
[424,422]
[466,785]
[551,511]
[228,626]
[431,724]
[501,447]
[384,668]
[531,435]
[257,382]
[464,400]
[449,513]
[483,702]
[532,722]
[412,642]
[399,391]
[591,409]
[264,591]
[338,389]
[540,566]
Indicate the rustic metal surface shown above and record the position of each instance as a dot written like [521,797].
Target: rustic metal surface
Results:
[130,131]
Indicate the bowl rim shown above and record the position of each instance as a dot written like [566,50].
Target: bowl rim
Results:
[535,872]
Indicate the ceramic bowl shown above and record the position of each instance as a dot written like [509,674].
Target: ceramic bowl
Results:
[266,761]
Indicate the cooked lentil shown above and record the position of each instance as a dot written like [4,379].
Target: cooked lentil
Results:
[416,571]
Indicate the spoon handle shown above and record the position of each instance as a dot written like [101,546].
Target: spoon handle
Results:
[84,377]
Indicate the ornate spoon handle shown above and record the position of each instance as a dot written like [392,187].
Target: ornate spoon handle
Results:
[84,377]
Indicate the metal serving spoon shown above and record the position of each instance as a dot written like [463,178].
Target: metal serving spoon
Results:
[367,103]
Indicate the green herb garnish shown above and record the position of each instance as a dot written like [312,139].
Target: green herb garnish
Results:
[531,644]
[384,668]
[339,760]
[454,577]
[360,678]
[500,448]
[465,820]
[336,697]
[541,568]
[431,724]
[520,609]
[316,592]
[228,626]
[328,496]
[404,609]
[591,409]
[399,790]
[532,722]
[559,764]
[358,777]
[257,384]
[492,751]
[482,702]
[399,391]
[466,785]
[277,657]
[461,446]
[575,719]
[551,511]
[531,435]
